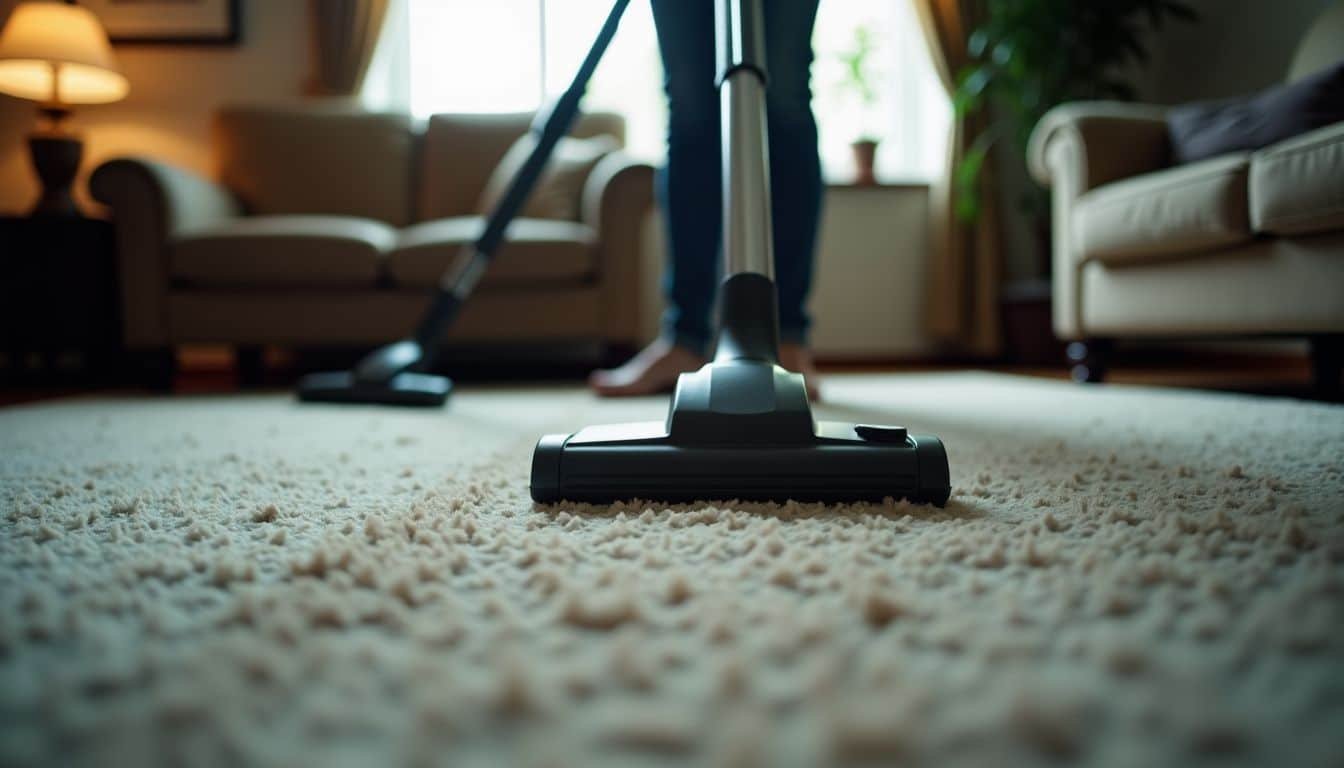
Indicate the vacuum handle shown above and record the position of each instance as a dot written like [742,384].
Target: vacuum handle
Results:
[747,228]
[748,306]
[741,38]
[549,126]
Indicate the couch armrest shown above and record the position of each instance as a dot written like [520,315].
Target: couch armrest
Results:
[1077,147]
[617,197]
[1108,141]
[152,203]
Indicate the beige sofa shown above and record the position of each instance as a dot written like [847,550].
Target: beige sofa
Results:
[1247,244]
[330,227]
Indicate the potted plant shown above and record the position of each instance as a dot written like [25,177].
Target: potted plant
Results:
[859,83]
[1031,55]
[1026,57]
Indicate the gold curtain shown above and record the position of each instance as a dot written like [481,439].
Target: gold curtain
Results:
[966,269]
[346,33]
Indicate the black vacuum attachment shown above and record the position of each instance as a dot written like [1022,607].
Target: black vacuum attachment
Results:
[388,376]
[741,428]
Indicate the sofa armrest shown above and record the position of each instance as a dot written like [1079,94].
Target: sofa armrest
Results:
[152,203]
[1096,142]
[1075,148]
[617,198]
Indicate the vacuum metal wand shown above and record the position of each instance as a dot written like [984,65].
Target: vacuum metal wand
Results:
[747,239]
[748,302]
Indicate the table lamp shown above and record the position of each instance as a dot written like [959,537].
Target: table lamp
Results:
[58,55]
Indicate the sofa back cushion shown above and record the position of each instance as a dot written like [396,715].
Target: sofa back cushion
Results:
[558,192]
[317,160]
[1297,186]
[461,151]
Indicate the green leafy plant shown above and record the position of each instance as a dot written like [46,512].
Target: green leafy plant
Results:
[1031,55]
[858,79]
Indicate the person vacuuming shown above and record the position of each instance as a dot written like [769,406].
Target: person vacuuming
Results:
[741,427]
[691,200]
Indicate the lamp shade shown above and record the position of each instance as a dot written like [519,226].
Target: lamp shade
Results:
[57,53]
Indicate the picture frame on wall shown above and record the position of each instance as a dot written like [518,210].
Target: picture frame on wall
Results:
[170,22]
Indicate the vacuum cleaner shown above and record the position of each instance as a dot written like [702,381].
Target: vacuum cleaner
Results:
[741,426]
[398,374]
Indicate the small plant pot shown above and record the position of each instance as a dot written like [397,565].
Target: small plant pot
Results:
[865,153]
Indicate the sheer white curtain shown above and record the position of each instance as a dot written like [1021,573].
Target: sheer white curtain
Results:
[511,55]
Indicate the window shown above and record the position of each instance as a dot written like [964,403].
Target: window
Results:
[911,113]
[511,55]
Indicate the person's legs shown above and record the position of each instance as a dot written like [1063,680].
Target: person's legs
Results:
[690,196]
[689,183]
[795,166]
[690,192]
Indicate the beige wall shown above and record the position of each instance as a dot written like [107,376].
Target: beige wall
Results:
[1237,47]
[174,92]
[867,299]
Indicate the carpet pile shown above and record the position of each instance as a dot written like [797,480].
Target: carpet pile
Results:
[1123,576]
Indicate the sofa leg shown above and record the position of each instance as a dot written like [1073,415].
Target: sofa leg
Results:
[1327,363]
[250,362]
[1088,360]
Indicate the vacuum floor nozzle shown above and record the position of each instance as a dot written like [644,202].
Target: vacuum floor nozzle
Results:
[842,462]
[407,388]
[740,428]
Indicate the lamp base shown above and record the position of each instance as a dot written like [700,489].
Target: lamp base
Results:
[56,157]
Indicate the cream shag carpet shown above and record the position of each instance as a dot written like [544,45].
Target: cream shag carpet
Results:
[1123,577]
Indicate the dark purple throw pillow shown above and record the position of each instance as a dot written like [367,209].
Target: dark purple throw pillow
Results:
[1206,129]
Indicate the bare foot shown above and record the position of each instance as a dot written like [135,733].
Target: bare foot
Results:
[655,369]
[797,358]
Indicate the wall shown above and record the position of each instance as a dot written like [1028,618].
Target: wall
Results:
[174,92]
[1237,47]
[868,295]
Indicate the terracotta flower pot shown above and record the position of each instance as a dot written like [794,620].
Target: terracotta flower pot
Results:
[865,152]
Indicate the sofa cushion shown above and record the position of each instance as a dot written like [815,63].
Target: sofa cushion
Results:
[1297,186]
[461,151]
[317,160]
[558,192]
[1177,211]
[536,251]
[283,251]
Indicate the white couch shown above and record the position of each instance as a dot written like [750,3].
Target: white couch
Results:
[1245,244]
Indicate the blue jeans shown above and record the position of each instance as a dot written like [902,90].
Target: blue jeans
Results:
[689,185]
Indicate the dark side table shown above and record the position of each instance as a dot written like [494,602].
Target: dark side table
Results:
[60,319]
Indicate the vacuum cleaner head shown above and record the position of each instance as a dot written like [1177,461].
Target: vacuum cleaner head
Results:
[388,376]
[741,428]
[723,440]
[415,389]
